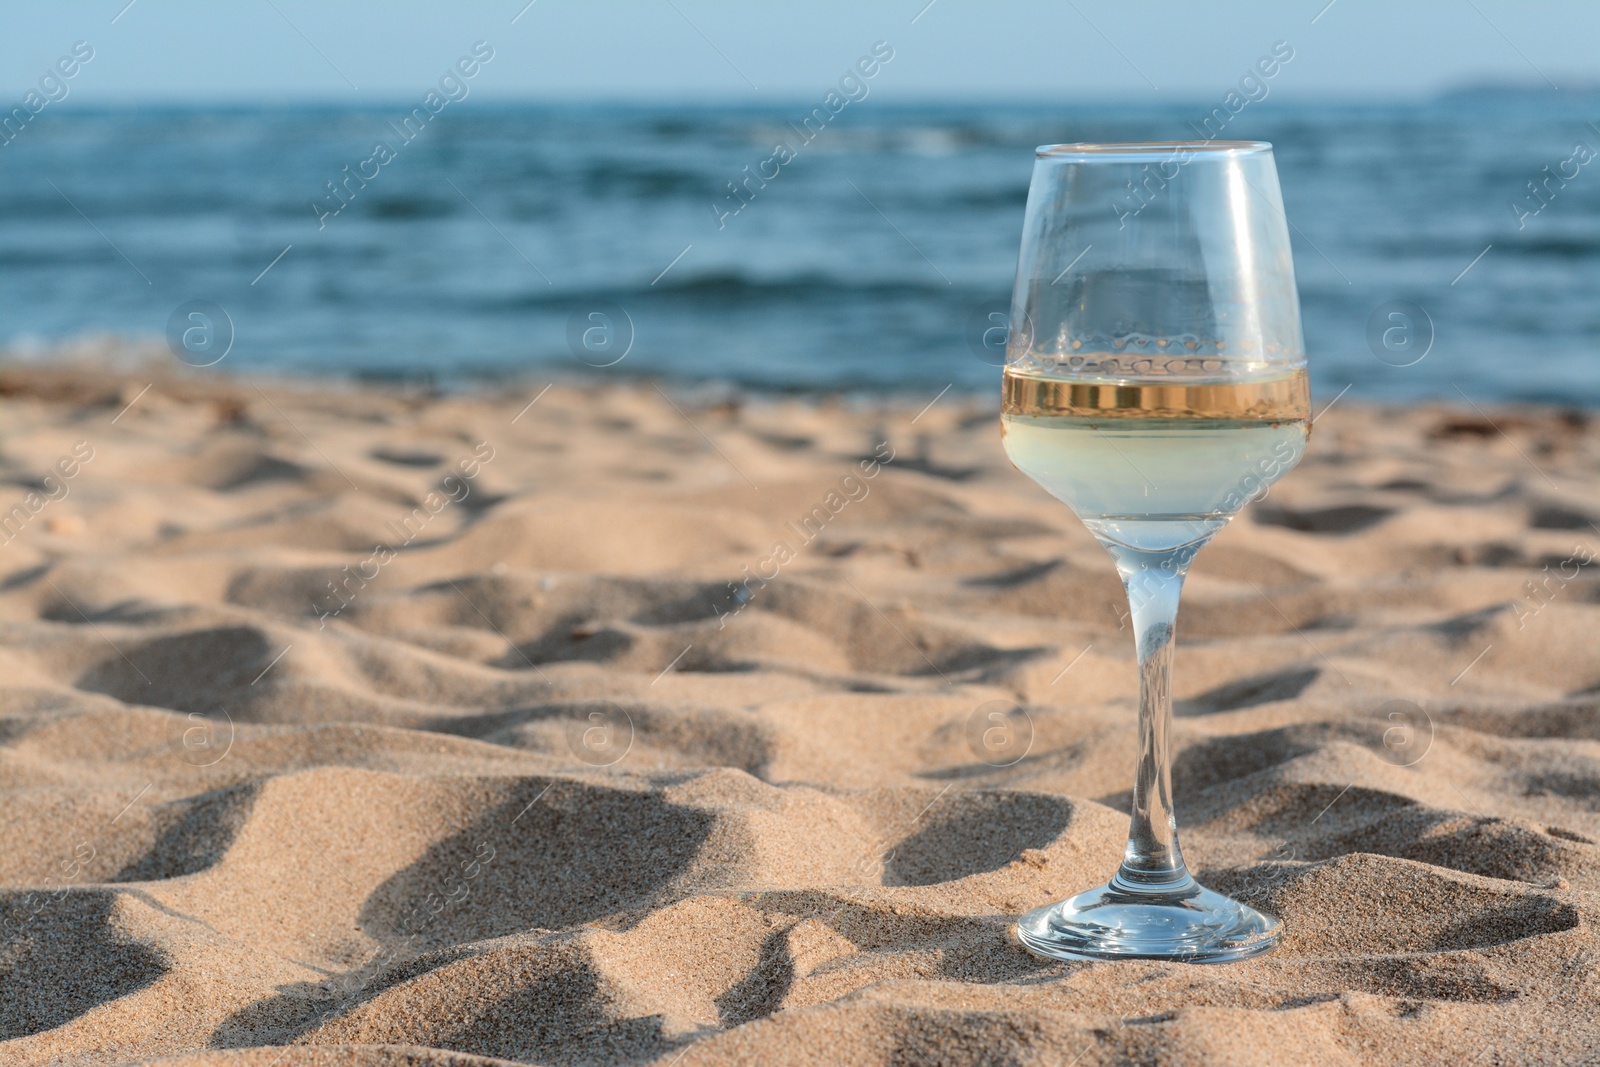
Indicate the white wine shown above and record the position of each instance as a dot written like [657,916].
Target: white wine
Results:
[1154,464]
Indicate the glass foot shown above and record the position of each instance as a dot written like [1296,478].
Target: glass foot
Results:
[1184,923]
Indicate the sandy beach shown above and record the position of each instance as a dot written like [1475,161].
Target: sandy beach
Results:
[596,724]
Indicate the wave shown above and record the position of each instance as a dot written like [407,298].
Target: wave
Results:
[1565,247]
[811,286]
[737,288]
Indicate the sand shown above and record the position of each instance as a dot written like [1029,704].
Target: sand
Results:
[381,727]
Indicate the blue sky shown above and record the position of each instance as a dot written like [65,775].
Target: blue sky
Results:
[724,52]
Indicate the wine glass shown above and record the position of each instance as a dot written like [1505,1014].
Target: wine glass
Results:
[1155,383]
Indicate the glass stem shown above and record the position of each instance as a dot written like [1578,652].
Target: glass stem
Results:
[1153,862]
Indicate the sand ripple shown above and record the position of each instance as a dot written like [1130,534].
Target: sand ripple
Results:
[381,729]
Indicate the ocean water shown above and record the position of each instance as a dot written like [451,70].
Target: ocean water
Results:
[524,242]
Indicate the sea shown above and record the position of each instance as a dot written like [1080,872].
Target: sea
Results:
[508,242]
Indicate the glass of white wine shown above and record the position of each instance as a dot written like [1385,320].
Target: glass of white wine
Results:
[1155,383]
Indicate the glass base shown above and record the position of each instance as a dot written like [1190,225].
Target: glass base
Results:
[1184,923]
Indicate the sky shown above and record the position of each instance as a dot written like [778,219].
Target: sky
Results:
[717,51]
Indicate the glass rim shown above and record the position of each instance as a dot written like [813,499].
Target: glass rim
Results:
[1086,151]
